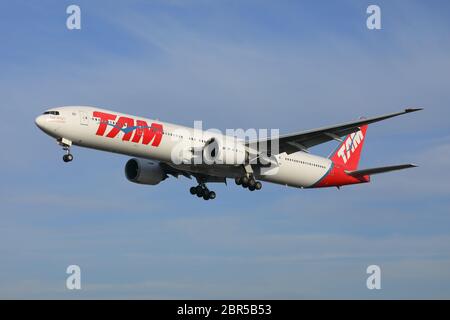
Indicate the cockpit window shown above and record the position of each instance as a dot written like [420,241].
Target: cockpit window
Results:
[55,113]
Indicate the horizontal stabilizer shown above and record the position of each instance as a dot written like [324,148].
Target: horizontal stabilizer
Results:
[371,171]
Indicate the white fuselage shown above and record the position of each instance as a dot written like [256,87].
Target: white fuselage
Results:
[80,126]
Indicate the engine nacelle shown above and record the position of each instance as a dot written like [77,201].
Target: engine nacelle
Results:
[144,171]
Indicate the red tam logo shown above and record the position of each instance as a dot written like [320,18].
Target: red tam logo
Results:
[139,133]
[350,145]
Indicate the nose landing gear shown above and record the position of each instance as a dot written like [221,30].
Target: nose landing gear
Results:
[68,157]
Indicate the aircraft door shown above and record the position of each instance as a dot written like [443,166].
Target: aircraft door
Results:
[84,119]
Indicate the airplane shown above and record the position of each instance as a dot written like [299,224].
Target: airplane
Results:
[160,149]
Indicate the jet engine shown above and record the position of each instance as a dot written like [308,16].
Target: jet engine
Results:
[144,171]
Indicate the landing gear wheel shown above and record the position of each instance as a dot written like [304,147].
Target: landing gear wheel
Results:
[202,191]
[67,157]
[258,185]
[238,181]
[245,180]
[251,188]
[251,183]
[199,191]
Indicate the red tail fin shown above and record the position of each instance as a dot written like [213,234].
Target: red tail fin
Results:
[348,153]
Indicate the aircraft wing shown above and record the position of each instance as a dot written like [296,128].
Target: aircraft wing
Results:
[173,171]
[302,141]
[176,172]
[372,171]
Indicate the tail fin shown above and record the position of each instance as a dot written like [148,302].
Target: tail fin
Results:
[349,151]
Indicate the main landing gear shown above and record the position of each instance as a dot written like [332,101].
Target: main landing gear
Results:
[202,191]
[248,182]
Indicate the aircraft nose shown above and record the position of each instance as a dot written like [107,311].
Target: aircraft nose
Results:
[40,121]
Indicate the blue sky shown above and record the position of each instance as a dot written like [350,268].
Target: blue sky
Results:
[292,65]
